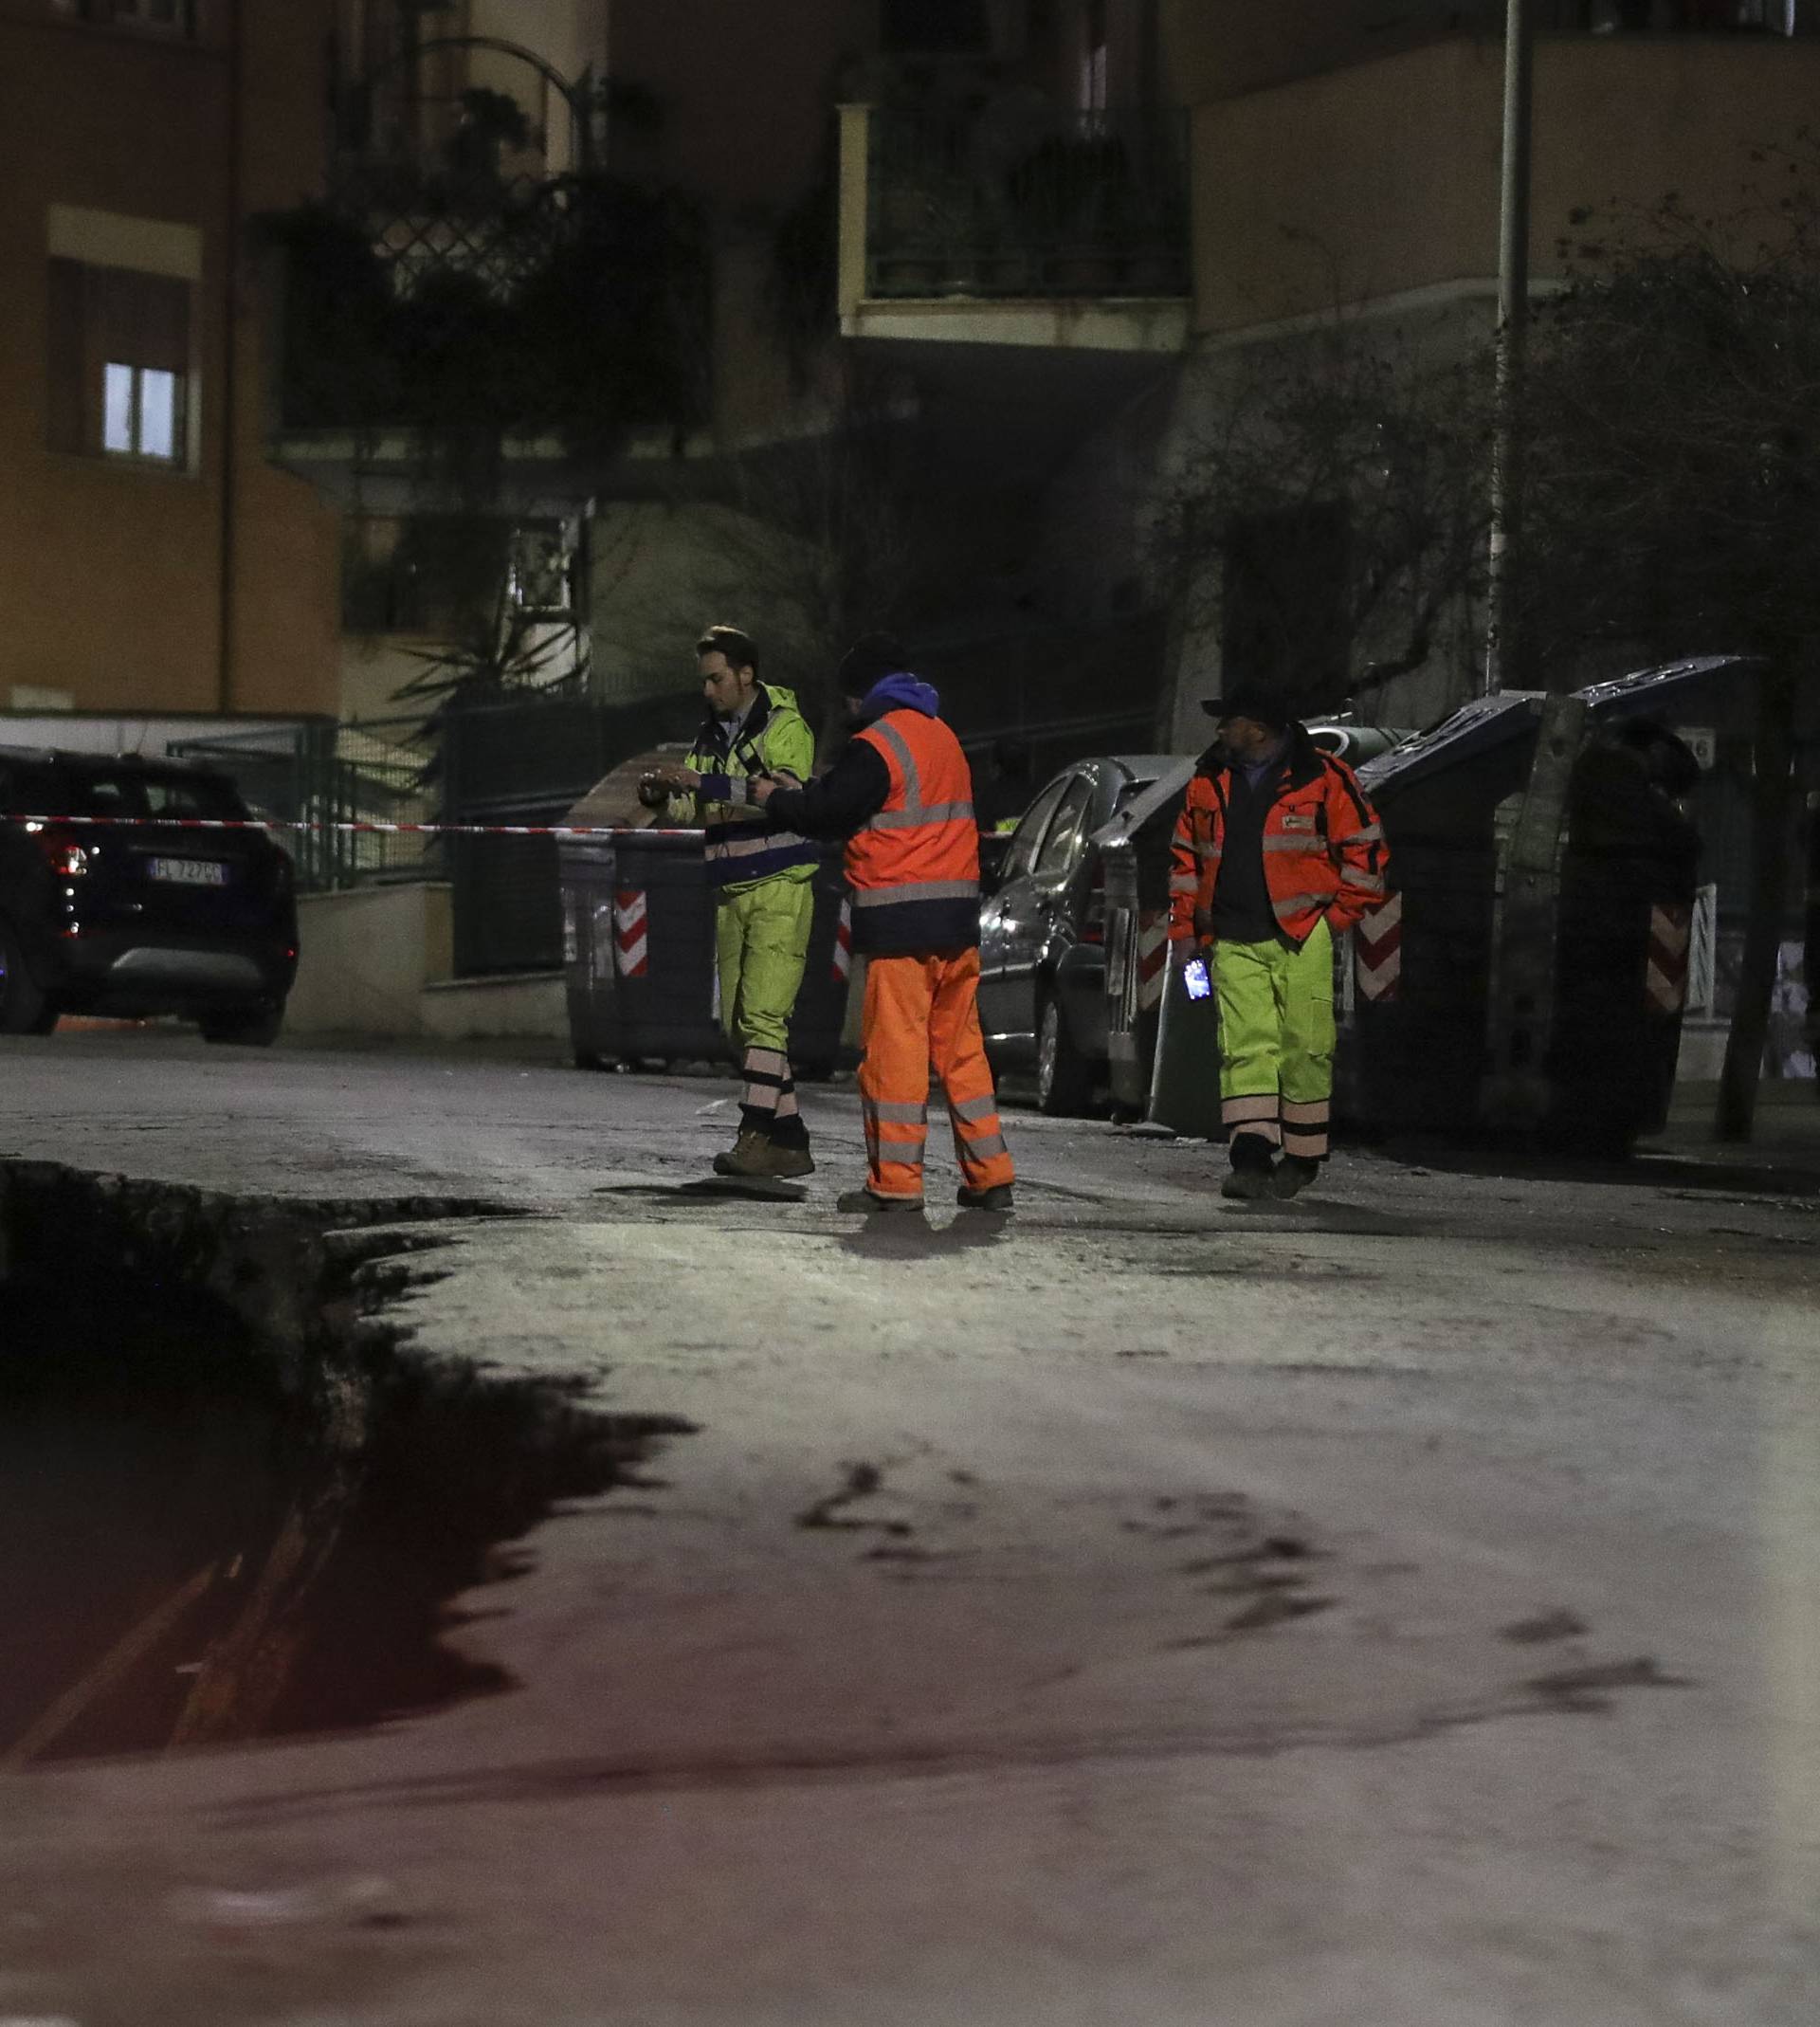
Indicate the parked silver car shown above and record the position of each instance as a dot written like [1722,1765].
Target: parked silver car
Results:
[1048,998]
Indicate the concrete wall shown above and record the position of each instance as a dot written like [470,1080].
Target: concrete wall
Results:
[1382,179]
[111,574]
[531,1007]
[365,957]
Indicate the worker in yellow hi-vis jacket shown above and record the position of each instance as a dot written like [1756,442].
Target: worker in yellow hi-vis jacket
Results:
[761,875]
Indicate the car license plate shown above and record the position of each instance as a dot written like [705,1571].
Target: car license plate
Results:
[191,872]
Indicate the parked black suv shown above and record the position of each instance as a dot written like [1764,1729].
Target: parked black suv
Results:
[140,920]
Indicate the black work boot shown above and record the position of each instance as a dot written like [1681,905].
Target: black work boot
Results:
[1294,1173]
[997,1197]
[868,1204]
[1250,1181]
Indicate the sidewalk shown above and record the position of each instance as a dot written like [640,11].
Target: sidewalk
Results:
[1787,1133]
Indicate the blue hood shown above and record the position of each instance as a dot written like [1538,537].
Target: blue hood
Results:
[899,693]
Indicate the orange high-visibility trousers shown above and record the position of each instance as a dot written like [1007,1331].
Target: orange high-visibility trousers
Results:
[923,1015]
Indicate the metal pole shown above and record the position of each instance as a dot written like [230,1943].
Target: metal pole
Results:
[1512,320]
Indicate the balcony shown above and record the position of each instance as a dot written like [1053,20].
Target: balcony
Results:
[429,314]
[1016,224]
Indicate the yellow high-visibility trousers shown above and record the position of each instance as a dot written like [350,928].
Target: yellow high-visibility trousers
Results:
[761,942]
[1277,1039]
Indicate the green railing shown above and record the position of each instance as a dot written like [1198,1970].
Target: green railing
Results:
[1026,200]
[323,777]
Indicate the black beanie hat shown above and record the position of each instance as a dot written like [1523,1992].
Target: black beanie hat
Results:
[869,660]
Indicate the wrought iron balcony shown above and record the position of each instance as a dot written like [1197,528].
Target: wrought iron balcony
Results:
[566,306]
[1024,200]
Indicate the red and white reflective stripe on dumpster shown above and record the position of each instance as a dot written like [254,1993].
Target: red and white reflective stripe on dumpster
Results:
[842,962]
[1153,958]
[631,933]
[1664,978]
[1377,951]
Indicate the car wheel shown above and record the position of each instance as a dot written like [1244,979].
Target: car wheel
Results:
[1063,1075]
[24,1008]
[249,1027]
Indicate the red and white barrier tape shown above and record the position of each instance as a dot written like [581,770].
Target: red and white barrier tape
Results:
[383,829]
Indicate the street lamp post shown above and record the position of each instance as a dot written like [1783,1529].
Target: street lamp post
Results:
[1513,322]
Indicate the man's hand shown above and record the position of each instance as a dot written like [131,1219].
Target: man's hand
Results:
[668,779]
[761,788]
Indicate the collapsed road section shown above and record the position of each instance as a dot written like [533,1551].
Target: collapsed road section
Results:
[235,1501]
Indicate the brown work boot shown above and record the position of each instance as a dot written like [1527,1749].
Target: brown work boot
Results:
[755,1156]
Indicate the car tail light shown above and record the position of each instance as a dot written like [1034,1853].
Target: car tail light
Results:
[67,855]
[1093,916]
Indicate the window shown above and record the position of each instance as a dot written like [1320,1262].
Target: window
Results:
[1062,843]
[1093,59]
[120,363]
[82,791]
[1021,854]
[443,573]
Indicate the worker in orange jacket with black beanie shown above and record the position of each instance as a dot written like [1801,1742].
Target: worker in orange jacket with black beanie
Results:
[901,795]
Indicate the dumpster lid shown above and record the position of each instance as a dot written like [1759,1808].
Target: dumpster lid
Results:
[1473,729]
[1172,782]
[1488,721]
[613,799]
[1649,689]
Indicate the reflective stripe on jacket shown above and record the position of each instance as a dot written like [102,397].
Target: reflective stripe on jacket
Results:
[1323,847]
[914,867]
[743,846]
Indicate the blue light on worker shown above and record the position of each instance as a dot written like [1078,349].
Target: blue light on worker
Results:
[1197,979]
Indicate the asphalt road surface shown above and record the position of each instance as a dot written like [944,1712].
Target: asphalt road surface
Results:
[1397,1607]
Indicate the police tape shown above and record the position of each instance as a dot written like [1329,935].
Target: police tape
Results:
[317,826]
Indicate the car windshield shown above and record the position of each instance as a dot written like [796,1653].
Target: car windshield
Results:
[146,795]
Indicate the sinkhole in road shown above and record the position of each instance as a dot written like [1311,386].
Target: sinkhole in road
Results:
[208,1536]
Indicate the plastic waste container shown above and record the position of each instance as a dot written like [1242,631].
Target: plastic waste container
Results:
[1454,1029]
[638,955]
[638,935]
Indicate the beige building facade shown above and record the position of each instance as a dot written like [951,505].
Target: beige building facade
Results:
[150,557]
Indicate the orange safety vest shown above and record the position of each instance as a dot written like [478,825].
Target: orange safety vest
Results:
[1324,845]
[914,867]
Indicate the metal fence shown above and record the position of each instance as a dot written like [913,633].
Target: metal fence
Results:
[318,776]
[529,761]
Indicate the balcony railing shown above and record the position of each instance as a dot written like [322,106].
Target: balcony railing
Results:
[564,305]
[1027,201]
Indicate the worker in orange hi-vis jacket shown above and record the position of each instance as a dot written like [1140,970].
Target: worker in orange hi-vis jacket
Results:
[901,795]
[1276,852]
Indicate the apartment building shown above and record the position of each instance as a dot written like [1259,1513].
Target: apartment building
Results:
[150,560]
[483,145]
[1115,205]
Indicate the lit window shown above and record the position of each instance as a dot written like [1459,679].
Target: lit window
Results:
[157,431]
[118,365]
